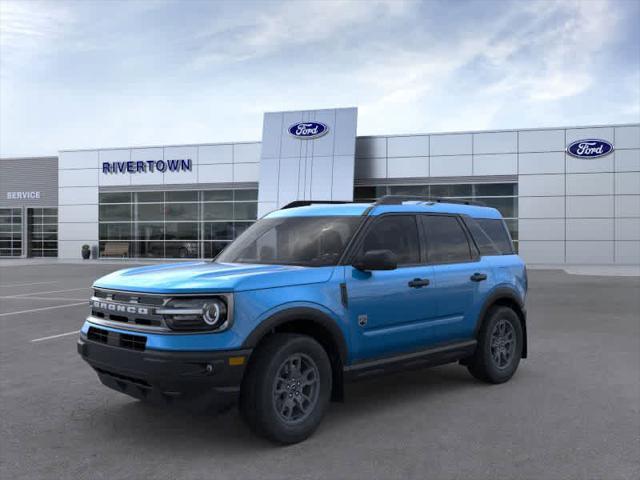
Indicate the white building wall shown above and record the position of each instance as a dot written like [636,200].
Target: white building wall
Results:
[570,210]
[80,178]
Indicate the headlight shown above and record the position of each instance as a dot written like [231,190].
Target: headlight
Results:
[197,313]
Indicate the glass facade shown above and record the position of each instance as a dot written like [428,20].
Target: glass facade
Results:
[173,224]
[42,228]
[502,196]
[10,232]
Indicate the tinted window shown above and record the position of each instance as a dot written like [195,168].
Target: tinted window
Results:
[492,239]
[309,241]
[446,240]
[397,233]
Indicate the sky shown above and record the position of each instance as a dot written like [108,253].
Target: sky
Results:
[86,74]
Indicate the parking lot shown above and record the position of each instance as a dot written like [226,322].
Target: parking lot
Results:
[571,411]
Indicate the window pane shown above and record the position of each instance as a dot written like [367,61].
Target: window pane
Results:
[495,189]
[150,197]
[181,211]
[149,249]
[181,249]
[312,241]
[217,195]
[218,231]
[217,211]
[149,212]
[181,196]
[461,190]
[119,197]
[497,232]
[181,231]
[241,195]
[417,190]
[368,193]
[150,231]
[246,211]
[50,211]
[115,231]
[115,249]
[211,249]
[446,240]
[115,212]
[240,227]
[512,225]
[397,233]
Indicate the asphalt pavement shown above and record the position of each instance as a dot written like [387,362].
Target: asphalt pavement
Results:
[571,411]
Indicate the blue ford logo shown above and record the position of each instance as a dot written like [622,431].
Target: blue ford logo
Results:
[590,148]
[308,130]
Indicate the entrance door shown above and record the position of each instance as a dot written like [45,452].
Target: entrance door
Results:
[11,232]
[42,232]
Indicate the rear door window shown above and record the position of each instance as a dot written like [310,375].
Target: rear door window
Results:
[446,239]
[491,236]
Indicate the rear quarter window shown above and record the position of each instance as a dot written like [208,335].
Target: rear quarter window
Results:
[491,236]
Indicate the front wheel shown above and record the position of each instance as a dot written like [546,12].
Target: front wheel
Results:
[287,388]
[499,346]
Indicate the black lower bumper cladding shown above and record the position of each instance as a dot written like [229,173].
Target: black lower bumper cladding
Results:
[198,379]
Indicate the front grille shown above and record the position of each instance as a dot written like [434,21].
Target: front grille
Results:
[134,342]
[128,297]
[123,340]
[128,308]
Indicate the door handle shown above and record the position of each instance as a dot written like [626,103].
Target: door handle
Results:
[478,277]
[419,282]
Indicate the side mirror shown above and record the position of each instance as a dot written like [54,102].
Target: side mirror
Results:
[377,260]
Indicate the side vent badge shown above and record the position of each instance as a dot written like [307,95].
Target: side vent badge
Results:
[362,320]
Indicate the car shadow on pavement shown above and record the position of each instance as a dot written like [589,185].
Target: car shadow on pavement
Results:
[179,430]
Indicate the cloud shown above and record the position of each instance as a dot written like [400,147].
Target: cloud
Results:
[27,27]
[294,26]
[530,53]
[118,73]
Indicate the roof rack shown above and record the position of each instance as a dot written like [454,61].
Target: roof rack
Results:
[399,199]
[306,203]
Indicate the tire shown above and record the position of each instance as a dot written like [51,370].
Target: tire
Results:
[274,400]
[497,364]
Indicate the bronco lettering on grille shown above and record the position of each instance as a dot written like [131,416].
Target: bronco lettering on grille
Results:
[119,307]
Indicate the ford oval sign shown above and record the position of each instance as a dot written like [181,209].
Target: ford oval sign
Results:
[590,148]
[308,130]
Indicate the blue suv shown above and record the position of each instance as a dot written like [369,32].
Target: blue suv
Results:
[309,297]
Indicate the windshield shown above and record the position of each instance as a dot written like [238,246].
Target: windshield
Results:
[305,241]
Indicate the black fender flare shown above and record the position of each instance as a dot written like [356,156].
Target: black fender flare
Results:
[299,313]
[497,296]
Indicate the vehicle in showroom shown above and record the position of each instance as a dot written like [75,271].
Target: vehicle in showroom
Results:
[310,296]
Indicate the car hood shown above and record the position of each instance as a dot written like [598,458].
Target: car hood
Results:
[203,277]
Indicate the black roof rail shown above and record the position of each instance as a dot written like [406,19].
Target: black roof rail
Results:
[306,203]
[399,199]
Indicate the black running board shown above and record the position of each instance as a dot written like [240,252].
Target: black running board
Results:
[431,357]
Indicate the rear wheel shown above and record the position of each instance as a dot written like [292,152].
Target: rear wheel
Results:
[287,388]
[499,346]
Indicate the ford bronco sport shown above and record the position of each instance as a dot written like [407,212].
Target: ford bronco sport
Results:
[309,297]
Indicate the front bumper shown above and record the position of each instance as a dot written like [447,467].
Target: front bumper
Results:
[202,378]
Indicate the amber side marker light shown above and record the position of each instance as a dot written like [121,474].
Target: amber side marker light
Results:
[236,361]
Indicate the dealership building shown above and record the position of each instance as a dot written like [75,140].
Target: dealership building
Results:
[570,195]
